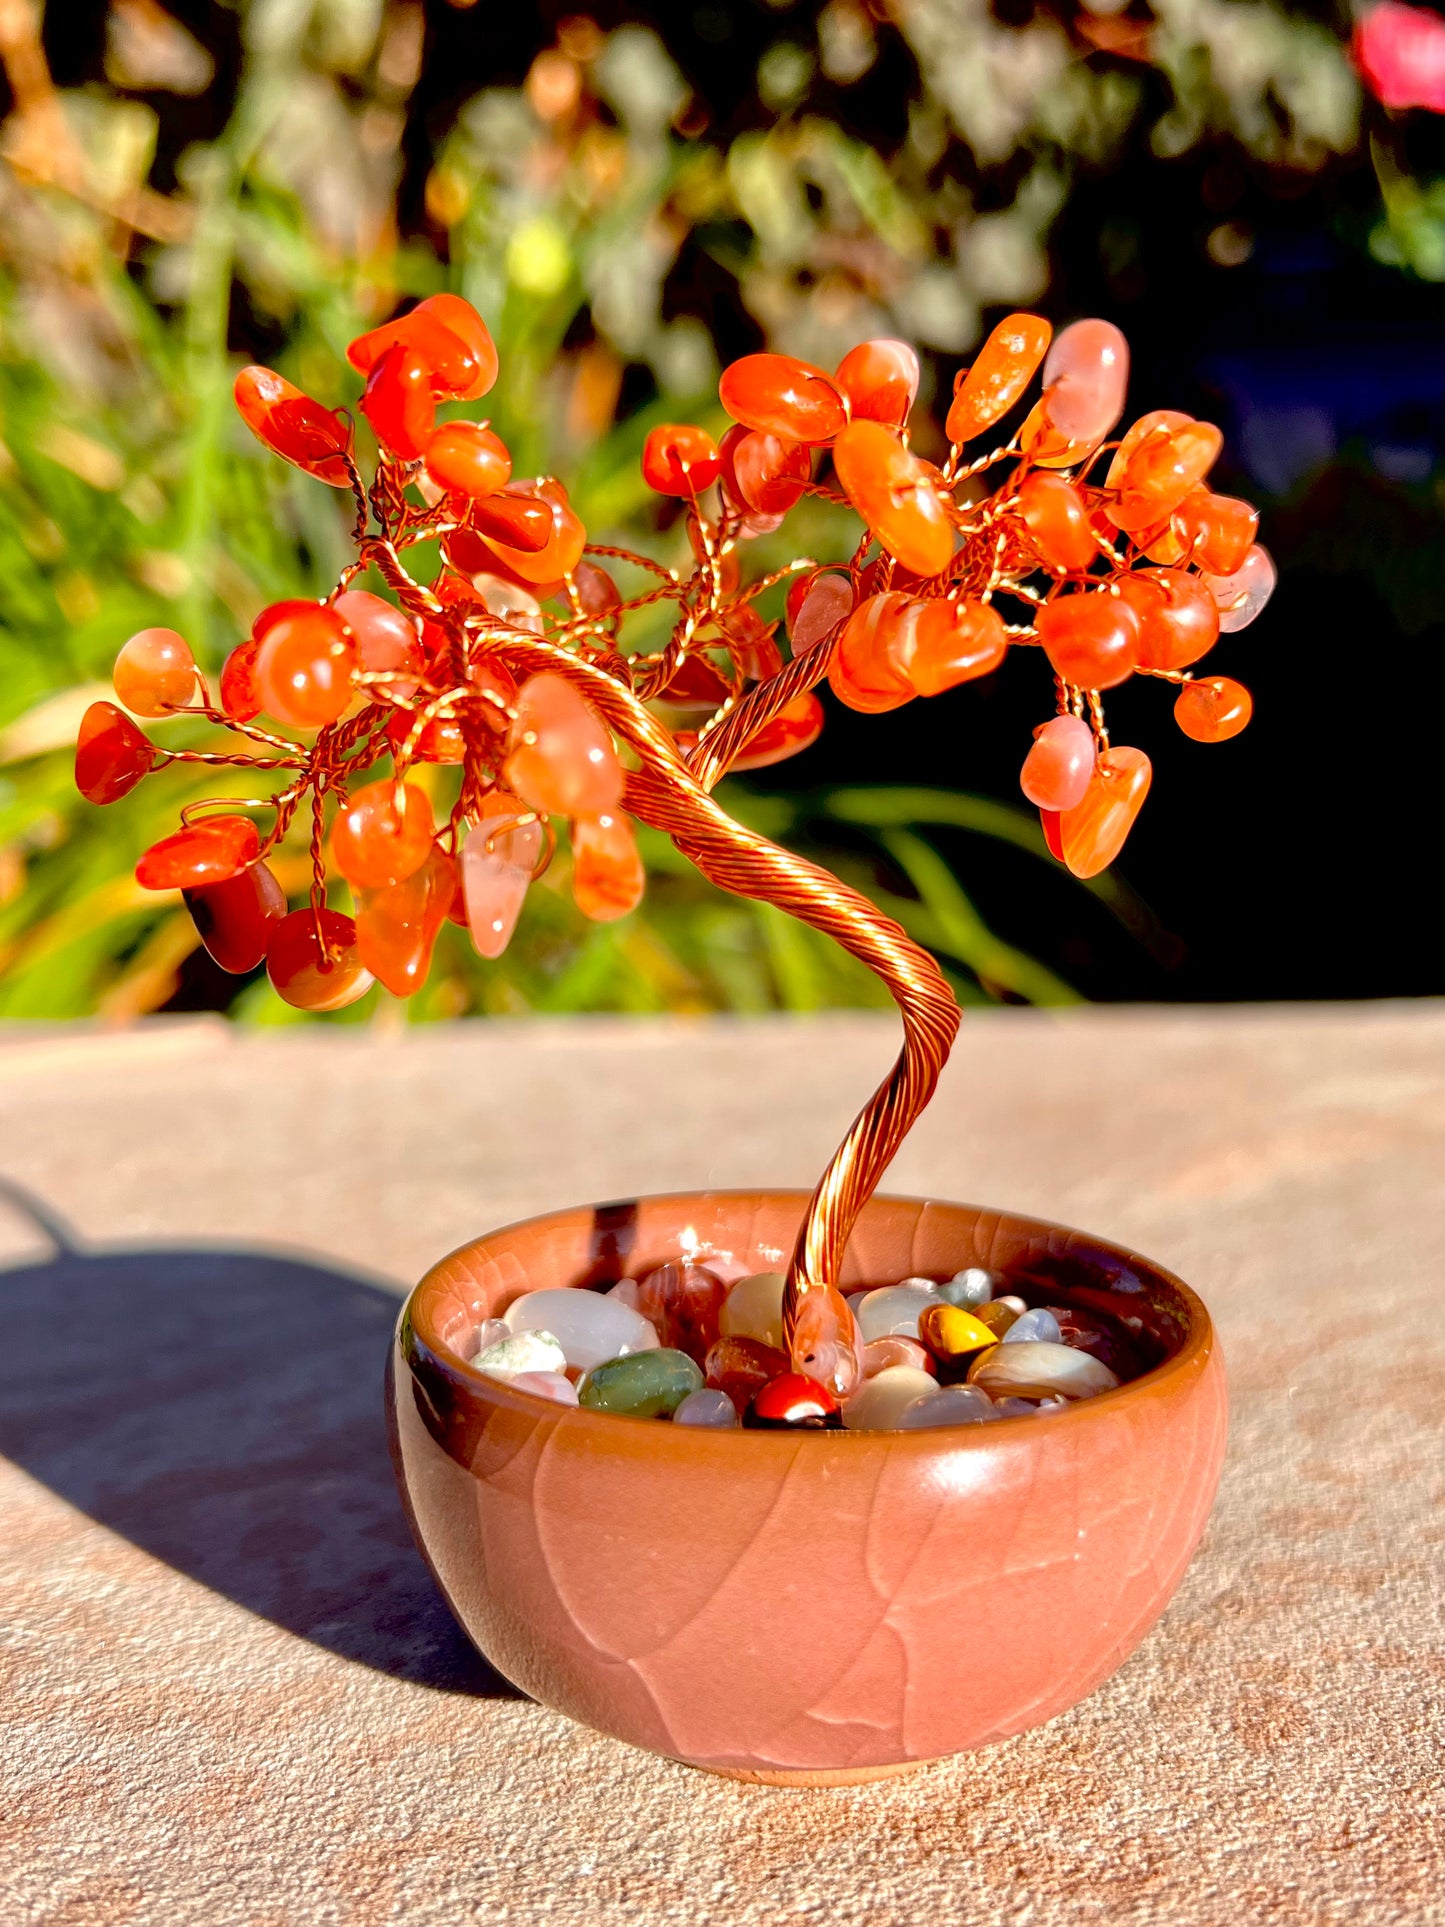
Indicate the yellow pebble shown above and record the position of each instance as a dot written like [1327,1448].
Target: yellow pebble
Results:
[998,1316]
[951,1333]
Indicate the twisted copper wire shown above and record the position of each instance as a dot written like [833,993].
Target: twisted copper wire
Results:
[666,794]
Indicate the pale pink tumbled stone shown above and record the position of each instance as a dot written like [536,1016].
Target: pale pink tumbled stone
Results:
[1057,769]
[1086,375]
[1242,595]
[497,864]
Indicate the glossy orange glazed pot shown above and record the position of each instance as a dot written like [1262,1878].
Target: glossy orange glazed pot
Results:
[814,1607]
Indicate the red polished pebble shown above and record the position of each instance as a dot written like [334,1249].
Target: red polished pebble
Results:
[796,727]
[449,336]
[294,426]
[304,659]
[237,919]
[1005,366]
[763,471]
[879,381]
[954,642]
[607,874]
[440,739]
[783,396]
[383,834]
[308,977]
[155,673]
[900,497]
[678,459]
[543,569]
[397,924]
[742,1366]
[111,754]
[1214,710]
[1093,832]
[1091,639]
[792,1402]
[239,696]
[869,671]
[1056,770]
[517,518]
[683,1302]
[1086,374]
[561,758]
[467,458]
[1051,822]
[1178,617]
[206,852]
[386,641]
[1057,521]
[398,402]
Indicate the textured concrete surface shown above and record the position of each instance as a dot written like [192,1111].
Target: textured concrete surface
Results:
[229,1694]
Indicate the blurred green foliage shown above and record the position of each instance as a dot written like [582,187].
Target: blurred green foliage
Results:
[130,494]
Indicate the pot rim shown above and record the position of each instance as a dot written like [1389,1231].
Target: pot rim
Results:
[1187,1361]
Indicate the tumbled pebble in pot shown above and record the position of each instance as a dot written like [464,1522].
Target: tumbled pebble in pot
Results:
[792,1403]
[706,1407]
[742,1366]
[1015,1407]
[528,1351]
[892,1311]
[1039,1368]
[491,1331]
[754,1309]
[953,1334]
[952,1405]
[971,1286]
[999,1315]
[880,1402]
[1036,1324]
[624,1292]
[554,1385]
[589,1326]
[883,1352]
[647,1384]
[683,1302]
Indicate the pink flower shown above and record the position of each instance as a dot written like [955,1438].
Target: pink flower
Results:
[1401,52]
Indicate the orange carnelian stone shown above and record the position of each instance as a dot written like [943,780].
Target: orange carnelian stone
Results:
[869,670]
[544,569]
[1086,374]
[1159,422]
[304,659]
[1050,821]
[467,458]
[1004,368]
[398,402]
[796,727]
[1217,531]
[397,924]
[111,754]
[386,640]
[237,919]
[954,642]
[155,672]
[1214,710]
[294,426]
[783,396]
[826,1344]
[517,518]
[900,497]
[678,459]
[1092,833]
[449,336]
[1056,770]
[240,697]
[879,381]
[764,472]
[682,1302]
[1057,520]
[306,977]
[561,759]
[1091,639]
[440,740]
[1162,471]
[1178,617]
[607,874]
[383,835]
[206,852]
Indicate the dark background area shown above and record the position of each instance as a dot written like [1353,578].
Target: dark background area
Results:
[1293,862]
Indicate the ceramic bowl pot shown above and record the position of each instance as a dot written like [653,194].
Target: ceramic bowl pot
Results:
[818,1607]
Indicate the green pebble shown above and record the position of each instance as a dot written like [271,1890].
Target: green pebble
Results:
[640,1385]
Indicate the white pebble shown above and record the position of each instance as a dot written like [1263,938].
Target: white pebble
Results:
[954,1405]
[1038,1324]
[589,1327]
[554,1385]
[972,1286]
[754,1309]
[489,1332]
[528,1351]
[706,1407]
[1036,1369]
[879,1403]
[624,1292]
[893,1311]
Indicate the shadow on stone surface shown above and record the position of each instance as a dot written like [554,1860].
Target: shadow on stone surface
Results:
[222,1409]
